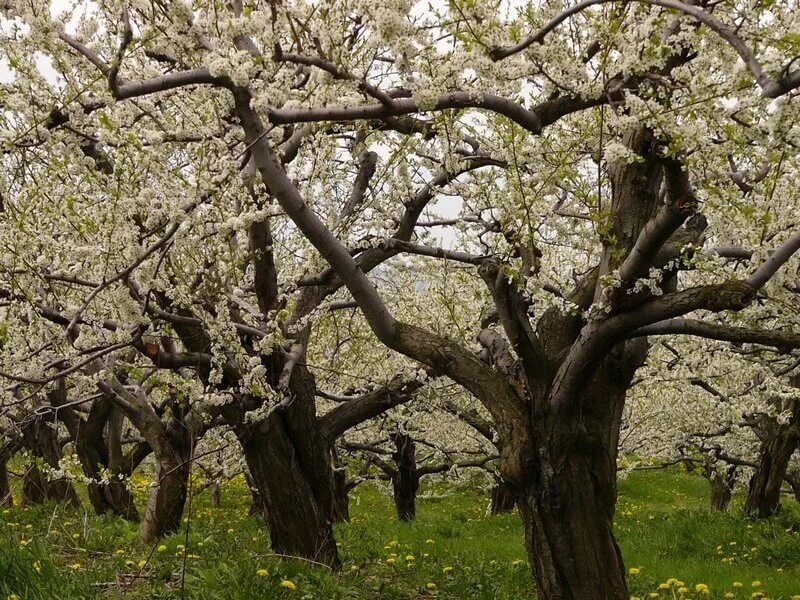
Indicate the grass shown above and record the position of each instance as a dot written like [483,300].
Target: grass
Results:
[452,550]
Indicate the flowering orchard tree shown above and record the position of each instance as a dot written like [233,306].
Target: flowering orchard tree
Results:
[596,163]
[732,411]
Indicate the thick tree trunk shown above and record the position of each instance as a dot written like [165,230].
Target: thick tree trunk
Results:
[567,505]
[112,496]
[166,502]
[722,488]
[298,518]
[290,467]
[42,440]
[341,496]
[405,479]
[173,457]
[503,498]
[764,494]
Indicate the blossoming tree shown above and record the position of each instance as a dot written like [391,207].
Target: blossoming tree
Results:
[594,155]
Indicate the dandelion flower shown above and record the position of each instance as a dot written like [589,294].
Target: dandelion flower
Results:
[737,584]
[162,548]
[634,571]
[701,588]
[756,583]
[447,570]
[430,585]
[288,584]
[262,572]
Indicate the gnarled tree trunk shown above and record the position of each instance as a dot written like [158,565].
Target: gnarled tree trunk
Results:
[40,437]
[94,453]
[722,483]
[567,504]
[503,498]
[778,443]
[289,465]
[405,480]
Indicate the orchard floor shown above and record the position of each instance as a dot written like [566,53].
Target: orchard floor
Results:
[453,550]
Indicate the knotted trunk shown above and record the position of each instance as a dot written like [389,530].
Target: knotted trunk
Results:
[113,495]
[764,494]
[503,498]
[721,486]
[42,440]
[568,500]
[405,480]
[172,446]
[166,502]
[290,472]
[295,505]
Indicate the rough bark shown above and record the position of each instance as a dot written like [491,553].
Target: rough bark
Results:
[722,484]
[40,437]
[778,443]
[299,520]
[793,477]
[503,498]
[289,464]
[764,493]
[92,449]
[166,502]
[405,479]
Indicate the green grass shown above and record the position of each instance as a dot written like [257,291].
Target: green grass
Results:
[664,528]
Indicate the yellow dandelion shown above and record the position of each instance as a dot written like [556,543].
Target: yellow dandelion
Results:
[141,564]
[37,566]
[262,572]
[701,588]
[75,566]
[161,548]
[430,585]
[737,584]
[447,570]
[288,584]
[410,558]
[12,597]
[634,571]
[756,583]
